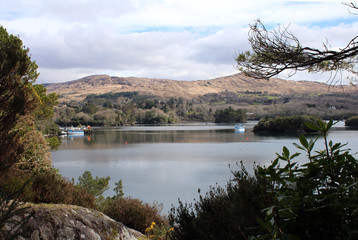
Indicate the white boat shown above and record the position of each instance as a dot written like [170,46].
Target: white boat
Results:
[239,128]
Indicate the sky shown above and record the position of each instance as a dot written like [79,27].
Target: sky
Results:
[169,39]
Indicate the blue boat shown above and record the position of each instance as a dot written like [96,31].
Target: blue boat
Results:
[239,128]
[75,131]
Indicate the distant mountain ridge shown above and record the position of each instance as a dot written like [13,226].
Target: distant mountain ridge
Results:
[99,84]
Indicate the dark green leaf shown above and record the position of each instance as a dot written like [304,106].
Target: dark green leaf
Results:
[285,152]
[313,127]
[303,141]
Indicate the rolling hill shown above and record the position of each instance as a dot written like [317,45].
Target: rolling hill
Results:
[98,84]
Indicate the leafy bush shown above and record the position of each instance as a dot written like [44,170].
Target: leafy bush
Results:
[222,213]
[352,121]
[286,124]
[317,200]
[134,213]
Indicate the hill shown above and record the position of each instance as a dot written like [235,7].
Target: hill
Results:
[99,84]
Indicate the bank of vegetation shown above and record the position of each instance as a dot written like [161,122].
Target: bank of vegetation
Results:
[128,108]
[352,121]
[297,123]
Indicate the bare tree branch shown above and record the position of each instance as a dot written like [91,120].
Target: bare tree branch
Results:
[279,50]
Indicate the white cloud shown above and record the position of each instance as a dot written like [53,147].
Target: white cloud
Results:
[176,39]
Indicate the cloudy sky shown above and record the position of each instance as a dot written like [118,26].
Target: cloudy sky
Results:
[173,39]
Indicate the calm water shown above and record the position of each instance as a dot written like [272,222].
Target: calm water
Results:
[165,163]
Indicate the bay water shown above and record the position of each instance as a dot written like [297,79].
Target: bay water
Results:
[166,163]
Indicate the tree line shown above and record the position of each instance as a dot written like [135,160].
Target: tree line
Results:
[128,108]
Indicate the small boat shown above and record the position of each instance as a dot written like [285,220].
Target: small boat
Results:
[239,128]
[77,132]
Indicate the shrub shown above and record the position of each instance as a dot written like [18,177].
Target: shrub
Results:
[46,187]
[159,232]
[50,187]
[352,121]
[317,200]
[222,213]
[134,213]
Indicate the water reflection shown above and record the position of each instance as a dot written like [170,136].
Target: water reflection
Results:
[164,163]
[117,137]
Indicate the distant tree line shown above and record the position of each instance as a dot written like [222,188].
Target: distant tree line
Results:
[129,108]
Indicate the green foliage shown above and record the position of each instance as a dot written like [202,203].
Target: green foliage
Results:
[36,154]
[112,96]
[317,200]
[90,108]
[118,189]
[95,186]
[156,117]
[222,213]
[286,124]
[51,132]
[53,142]
[130,110]
[45,110]
[43,115]
[229,115]
[17,99]
[104,203]
[134,213]
[352,121]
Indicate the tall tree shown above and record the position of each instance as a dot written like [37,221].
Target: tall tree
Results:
[17,73]
[279,50]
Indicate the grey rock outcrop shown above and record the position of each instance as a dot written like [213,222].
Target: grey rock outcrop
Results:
[60,221]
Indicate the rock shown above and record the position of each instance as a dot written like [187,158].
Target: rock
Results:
[60,221]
